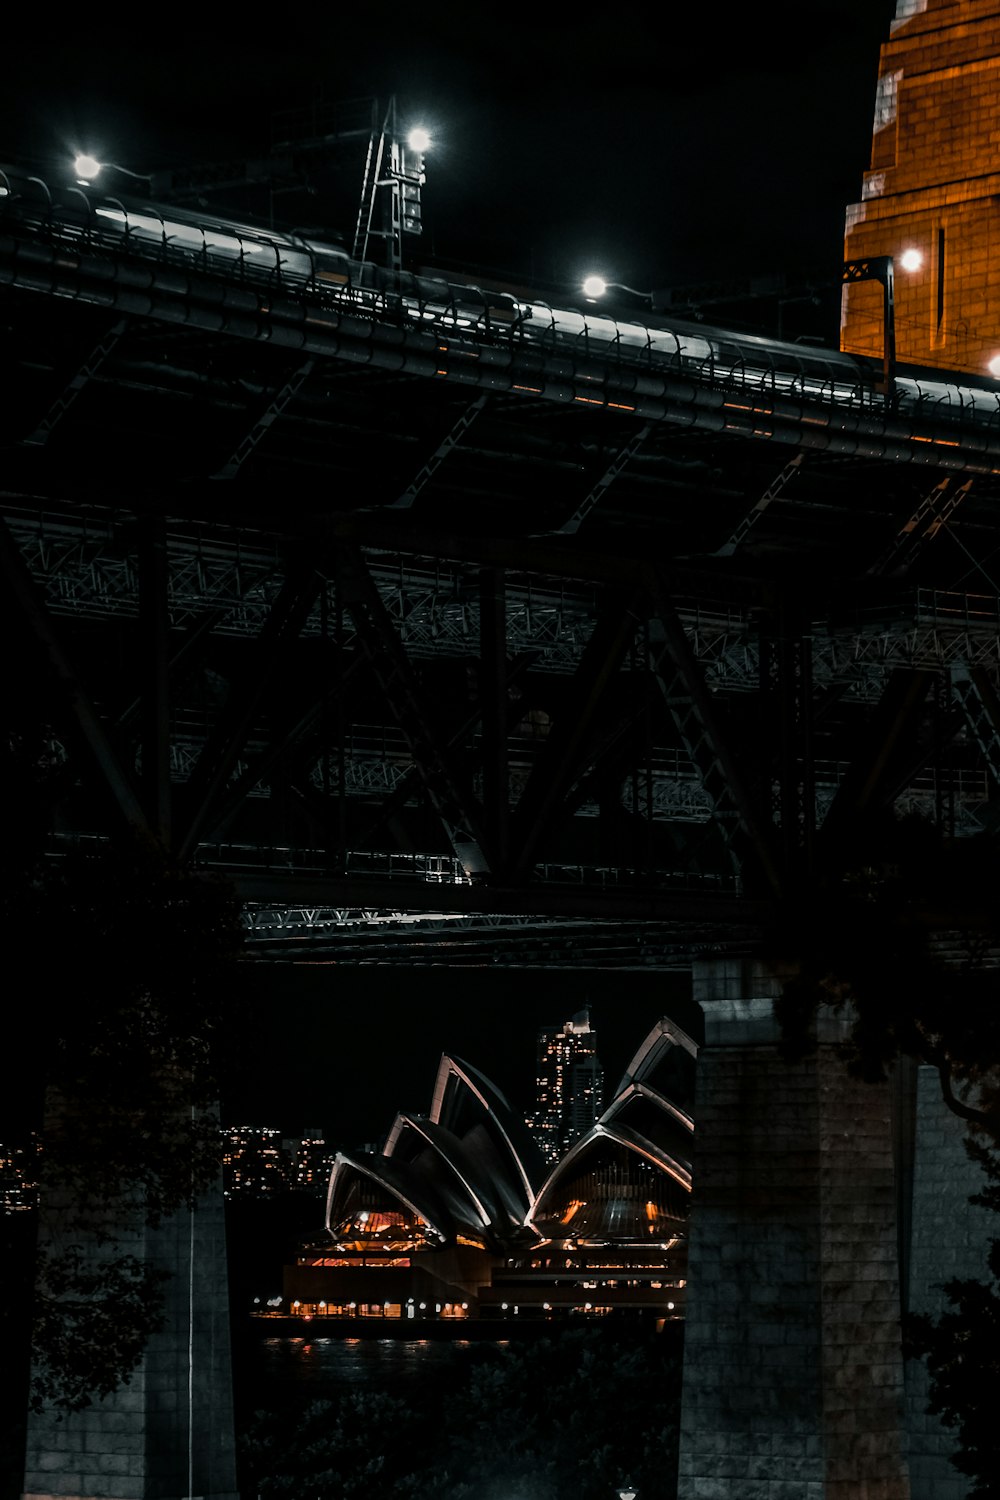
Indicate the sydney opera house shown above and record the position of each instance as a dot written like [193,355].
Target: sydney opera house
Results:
[459,1217]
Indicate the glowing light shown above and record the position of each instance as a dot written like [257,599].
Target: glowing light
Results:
[994,366]
[418,139]
[594,286]
[86,167]
[911,260]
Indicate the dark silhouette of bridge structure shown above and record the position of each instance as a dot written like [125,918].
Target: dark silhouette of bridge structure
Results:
[405,595]
[447,620]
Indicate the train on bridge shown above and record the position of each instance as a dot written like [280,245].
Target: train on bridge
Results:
[268,270]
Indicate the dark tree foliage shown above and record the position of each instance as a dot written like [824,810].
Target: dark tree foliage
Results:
[867,941]
[568,1417]
[363,1442]
[141,985]
[962,1349]
[903,938]
[90,1325]
[565,1418]
[131,984]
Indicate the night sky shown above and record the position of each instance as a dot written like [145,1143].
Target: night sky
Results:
[344,1046]
[566,141]
[566,138]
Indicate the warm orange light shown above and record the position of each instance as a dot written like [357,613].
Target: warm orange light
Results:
[927,198]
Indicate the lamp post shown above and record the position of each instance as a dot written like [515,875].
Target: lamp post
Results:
[88,169]
[394,175]
[880,268]
[595,287]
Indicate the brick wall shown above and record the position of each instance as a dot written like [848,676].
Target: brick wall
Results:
[934,187]
[949,1239]
[793,1380]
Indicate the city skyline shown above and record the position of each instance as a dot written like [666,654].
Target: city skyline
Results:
[489,1017]
[569,1084]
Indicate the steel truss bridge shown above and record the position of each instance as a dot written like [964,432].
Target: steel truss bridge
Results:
[453,625]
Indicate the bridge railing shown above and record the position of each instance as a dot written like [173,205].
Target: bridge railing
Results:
[725,380]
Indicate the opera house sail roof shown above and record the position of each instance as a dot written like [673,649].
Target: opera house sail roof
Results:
[469,1173]
[465,1173]
[628,1180]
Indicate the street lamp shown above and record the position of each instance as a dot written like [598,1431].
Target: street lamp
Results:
[880,268]
[88,169]
[594,287]
[627,1490]
[390,207]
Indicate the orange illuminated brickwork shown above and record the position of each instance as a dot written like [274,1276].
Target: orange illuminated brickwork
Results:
[931,199]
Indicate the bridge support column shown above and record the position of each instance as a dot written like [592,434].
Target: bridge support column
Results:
[169,1433]
[793,1372]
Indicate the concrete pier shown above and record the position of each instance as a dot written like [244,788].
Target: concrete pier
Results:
[949,1240]
[793,1370]
[168,1433]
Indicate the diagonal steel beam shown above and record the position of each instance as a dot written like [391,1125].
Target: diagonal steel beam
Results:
[445,448]
[451,799]
[87,370]
[263,423]
[215,764]
[154,626]
[750,520]
[597,492]
[736,811]
[81,710]
[885,760]
[786,700]
[410,783]
[566,753]
[981,710]
[933,512]
[493,700]
[281,745]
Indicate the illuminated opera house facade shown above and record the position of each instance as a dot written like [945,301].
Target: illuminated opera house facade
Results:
[459,1217]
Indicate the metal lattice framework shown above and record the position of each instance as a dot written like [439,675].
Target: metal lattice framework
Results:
[364,589]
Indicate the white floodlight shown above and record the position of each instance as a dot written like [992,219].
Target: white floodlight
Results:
[595,286]
[418,139]
[86,167]
[911,259]
[994,367]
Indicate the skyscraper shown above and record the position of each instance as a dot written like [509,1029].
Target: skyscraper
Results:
[569,1084]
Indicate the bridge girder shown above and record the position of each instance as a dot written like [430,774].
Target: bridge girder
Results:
[378,638]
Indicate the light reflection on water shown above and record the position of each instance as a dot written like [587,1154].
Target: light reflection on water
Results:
[276,1370]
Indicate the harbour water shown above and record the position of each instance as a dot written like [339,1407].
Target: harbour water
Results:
[320,1415]
[276,1372]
